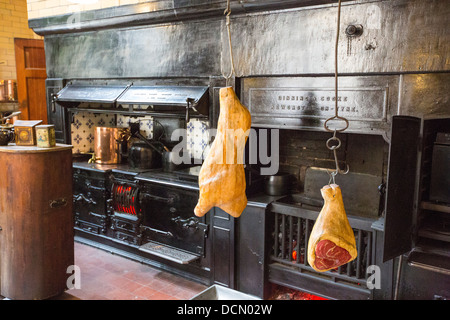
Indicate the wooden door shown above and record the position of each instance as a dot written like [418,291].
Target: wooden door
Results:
[31,75]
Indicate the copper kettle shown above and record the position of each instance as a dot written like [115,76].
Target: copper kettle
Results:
[109,142]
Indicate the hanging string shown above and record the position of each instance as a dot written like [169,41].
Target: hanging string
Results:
[336,116]
[227,12]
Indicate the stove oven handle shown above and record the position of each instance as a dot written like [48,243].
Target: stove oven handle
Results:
[147,196]
[187,223]
[166,233]
[91,187]
[80,197]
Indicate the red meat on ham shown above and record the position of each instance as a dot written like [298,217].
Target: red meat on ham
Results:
[329,255]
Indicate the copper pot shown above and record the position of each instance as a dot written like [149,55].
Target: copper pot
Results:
[108,144]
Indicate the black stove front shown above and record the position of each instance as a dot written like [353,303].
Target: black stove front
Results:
[169,227]
[154,210]
[124,206]
[144,214]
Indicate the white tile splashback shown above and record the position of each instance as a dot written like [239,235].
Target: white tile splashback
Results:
[145,124]
[84,123]
[83,129]
[197,138]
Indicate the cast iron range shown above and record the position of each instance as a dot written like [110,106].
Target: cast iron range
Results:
[153,210]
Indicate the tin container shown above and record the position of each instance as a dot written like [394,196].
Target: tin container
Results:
[45,136]
[25,132]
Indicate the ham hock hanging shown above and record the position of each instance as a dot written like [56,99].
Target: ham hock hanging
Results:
[332,241]
[222,177]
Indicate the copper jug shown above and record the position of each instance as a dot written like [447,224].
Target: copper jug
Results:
[108,144]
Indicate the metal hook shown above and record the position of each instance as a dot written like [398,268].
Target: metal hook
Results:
[227,13]
[228,9]
[334,148]
[338,170]
[332,174]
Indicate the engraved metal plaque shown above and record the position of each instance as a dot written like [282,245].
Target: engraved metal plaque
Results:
[357,104]
[305,103]
[162,95]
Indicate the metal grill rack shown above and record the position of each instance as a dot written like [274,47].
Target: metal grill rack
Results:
[288,259]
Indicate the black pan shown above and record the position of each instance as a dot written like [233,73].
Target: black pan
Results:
[278,184]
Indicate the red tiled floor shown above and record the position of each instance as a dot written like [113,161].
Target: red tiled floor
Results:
[105,276]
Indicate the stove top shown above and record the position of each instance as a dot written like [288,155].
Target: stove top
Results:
[129,170]
[93,166]
[119,167]
[188,173]
[187,176]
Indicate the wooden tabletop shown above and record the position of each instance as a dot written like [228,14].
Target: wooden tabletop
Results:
[13,148]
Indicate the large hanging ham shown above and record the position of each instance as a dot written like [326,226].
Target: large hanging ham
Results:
[222,177]
[332,241]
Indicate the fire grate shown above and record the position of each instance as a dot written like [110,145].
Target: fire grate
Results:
[125,199]
[290,236]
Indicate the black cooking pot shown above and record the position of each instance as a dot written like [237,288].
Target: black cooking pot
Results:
[278,184]
[152,154]
[6,134]
[143,156]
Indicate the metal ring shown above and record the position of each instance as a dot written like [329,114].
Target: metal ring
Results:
[337,130]
[333,147]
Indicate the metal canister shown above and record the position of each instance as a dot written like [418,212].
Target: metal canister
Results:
[45,136]
[108,145]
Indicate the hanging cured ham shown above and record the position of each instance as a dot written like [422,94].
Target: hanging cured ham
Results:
[222,177]
[332,241]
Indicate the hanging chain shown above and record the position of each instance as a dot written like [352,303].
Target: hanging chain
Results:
[336,116]
[227,12]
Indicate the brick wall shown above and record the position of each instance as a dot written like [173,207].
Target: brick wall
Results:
[13,24]
[301,149]
[47,8]
[14,15]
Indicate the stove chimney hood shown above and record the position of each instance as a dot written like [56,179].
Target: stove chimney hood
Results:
[178,101]
[75,94]
[163,95]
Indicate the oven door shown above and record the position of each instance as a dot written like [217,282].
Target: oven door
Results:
[401,186]
[168,218]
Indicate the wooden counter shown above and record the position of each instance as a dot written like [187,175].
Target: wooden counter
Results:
[13,148]
[36,221]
